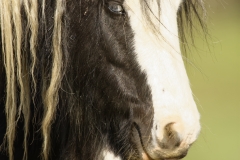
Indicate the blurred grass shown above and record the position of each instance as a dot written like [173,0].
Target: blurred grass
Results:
[215,81]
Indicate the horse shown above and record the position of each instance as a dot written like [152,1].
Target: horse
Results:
[96,80]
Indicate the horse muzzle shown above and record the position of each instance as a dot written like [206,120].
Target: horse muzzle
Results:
[173,143]
[166,154]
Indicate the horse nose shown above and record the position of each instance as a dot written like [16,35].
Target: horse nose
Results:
[171,132]
[172,135]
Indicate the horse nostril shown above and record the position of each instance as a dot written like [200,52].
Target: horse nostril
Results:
[169,130]
[171,138]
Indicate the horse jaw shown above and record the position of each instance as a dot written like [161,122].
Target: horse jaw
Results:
[159,56]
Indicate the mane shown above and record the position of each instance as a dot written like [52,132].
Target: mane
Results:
[19,38]
[190,12]
[20,75]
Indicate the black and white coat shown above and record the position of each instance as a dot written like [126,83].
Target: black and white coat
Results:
[125,93]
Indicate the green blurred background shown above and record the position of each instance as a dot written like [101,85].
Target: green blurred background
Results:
[214,74]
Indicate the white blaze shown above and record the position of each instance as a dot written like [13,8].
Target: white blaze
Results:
[159,56]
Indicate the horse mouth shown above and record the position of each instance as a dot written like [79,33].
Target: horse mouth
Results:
[151,153]
[160,154]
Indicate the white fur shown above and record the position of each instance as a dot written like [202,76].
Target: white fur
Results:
[159,56]
[109,155]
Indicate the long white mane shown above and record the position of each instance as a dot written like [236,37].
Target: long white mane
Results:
[20,74]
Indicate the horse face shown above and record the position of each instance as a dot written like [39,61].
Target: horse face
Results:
[124,93]
[176,119]
[139,79]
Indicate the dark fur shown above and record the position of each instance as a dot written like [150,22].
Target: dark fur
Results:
[103,92]
[104,100]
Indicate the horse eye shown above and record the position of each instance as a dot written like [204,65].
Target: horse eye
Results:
[115,8]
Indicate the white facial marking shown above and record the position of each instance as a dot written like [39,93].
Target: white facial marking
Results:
[159,56]
[109,155]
